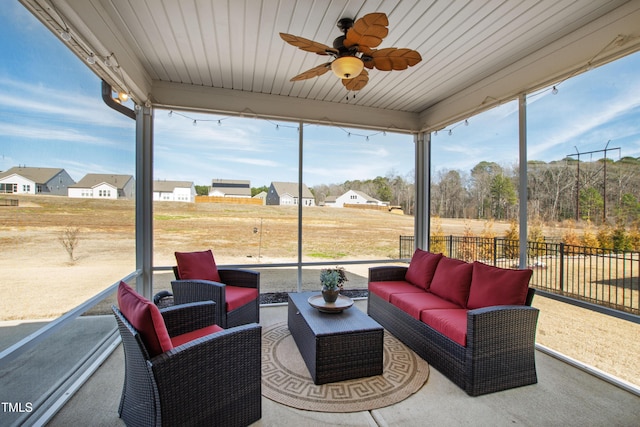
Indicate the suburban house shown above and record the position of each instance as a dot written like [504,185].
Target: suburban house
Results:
[29,180]
[262,196]
[104,186]
[286,193]
[352,197]
[230,188]
[174,191]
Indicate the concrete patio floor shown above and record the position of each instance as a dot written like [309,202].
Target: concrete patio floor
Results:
[564,396]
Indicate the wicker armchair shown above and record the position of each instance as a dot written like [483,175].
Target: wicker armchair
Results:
[210,380]
[236,294]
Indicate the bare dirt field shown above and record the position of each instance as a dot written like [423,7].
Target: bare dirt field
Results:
[40,281]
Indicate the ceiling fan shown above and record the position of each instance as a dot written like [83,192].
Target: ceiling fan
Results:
[353,52]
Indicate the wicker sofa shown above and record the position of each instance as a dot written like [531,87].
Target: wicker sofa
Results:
[472,322]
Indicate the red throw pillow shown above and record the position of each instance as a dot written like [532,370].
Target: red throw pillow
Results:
[145,317]
[421,268]
[498,286]
[197,265]
[452,280]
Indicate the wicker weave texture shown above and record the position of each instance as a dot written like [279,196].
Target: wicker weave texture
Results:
[335,346]
[213,380]
[187,291]
[500,350]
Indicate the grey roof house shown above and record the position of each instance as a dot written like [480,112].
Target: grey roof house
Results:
[286,193]
[104,186]
[32,180]
[174,191]
[230,188]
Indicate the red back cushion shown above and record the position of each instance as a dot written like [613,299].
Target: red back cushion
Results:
[145,317]
[497,286]
[197,265]
[452,280]
[422,267]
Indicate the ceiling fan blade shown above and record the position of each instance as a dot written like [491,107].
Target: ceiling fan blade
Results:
[392,58]
[308,45]
[368,31]
[313,72]
[357,83]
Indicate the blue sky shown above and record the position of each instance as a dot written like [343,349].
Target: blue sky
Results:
[52,115]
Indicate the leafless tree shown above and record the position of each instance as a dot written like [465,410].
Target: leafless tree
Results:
[69,240]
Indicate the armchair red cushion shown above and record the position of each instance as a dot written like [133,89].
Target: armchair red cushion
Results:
[452,280]
[145,317]
[197,265]
[497,286]
[193,335]
[422,268]
[237,296]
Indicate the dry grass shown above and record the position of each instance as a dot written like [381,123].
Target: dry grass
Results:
[39,281]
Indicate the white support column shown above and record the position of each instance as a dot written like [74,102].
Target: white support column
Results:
[422,214]
[523,193]
[144,200]
[300,177]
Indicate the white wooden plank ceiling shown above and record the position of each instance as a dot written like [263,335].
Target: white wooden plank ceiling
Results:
[226,55]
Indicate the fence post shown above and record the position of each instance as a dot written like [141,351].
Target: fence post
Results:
[450,245]
[495,251]
[561,266]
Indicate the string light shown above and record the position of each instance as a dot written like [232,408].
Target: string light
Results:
[277,126]
[554,90]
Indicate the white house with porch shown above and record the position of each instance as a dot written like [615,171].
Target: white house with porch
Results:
[104,186]
[32,180]
[174,191]
[353,197]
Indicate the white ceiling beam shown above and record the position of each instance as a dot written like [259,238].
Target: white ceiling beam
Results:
[233,102]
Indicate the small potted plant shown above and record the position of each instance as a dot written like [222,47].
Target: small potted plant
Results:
[332,280]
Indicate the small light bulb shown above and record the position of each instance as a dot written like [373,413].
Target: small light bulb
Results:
[66,36]
[123,96]
[195,123]
[554,90]
[170,113]
[450,132]
[91,59]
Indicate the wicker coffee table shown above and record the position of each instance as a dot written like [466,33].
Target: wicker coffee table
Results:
[335,346]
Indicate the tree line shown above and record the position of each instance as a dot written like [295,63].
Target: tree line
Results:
[601,192]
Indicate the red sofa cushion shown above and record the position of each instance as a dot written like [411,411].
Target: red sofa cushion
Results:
[145,317]
[452,280]
[385,289]
[450,322]
[414,303]
[237,296]
[197,265]
[497,286]
[421,268]
[198,333]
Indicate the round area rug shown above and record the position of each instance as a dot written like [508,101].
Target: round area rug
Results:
[286,380]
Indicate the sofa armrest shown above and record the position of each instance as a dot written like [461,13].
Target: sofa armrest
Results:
[183,318]
[387,273]
[496,326]
[240,277]
[500,348]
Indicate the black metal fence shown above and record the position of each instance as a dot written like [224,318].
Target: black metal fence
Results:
[604,277]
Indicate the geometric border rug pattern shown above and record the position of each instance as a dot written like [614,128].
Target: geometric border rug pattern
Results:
[286,380]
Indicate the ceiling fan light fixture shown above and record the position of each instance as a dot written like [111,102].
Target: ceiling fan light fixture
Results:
[347,67]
